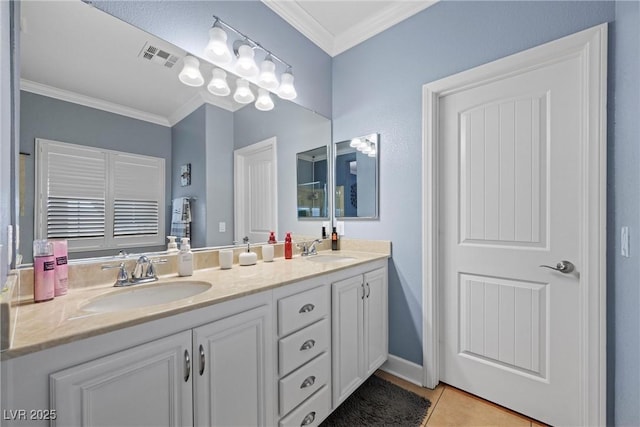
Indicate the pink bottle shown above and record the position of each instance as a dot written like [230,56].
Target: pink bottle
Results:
[61,280]
[43,271]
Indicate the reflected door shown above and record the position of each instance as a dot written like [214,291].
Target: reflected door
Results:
[255,195]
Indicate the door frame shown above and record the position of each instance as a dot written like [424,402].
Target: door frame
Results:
[590,46]
[239,166]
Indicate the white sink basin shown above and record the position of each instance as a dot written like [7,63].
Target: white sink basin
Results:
[145,296]
[329,258]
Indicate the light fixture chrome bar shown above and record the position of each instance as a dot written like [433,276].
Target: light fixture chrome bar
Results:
[250,41]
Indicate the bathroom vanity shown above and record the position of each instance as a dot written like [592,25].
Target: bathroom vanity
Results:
[280,343]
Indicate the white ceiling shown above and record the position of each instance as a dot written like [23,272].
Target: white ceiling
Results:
[336,26]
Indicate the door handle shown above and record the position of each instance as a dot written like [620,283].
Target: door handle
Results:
[187,366]
[202,361]
[565,267]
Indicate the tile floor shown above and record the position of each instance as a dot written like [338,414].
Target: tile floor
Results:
[453,407]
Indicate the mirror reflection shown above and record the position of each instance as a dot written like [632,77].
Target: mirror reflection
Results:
[89,79]
[356,177]
[313,166]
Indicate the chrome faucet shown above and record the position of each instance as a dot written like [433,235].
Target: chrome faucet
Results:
[311,249]
[143,272]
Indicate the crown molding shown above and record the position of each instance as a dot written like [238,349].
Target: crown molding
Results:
[366,28]
[302,21]
[375,24]
[87,101]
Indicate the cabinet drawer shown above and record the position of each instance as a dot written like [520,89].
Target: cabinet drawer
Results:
[302,346]
[299,310]
[311,412]
[303,382]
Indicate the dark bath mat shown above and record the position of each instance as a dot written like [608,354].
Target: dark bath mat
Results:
[379,403]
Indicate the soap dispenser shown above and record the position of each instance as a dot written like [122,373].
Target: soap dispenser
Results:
[248,257]
[288,246]
[185,258]
[172,246]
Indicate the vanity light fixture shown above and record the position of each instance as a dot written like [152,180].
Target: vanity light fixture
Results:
[354,143]
[217,49]
[218,84]
[264,101]
[372,153]
[243,93]
[218,52]
[190,74]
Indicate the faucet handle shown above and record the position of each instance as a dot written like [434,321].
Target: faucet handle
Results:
[151,270]
[123,276]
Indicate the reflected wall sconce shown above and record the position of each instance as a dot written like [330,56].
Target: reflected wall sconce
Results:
[240,60]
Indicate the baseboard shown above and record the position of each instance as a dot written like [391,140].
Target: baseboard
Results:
[404,369]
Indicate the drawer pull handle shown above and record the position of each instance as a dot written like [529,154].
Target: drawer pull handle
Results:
[308,382]
[187,366]
[308,419]
[307,308]
[307,345]
[368,290]
[201,360]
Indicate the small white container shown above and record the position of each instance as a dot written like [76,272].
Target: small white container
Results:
[226,258]
[267,253]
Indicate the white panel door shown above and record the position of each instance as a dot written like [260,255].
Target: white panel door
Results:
[347,334]
[510,201]
[232,370]
[148,385]
[256,199]
[375,320]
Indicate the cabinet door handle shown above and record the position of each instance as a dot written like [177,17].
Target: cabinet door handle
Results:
[308,419]
[187,366]
[362,291]
[307,308]
[308,382]
[307,345]
[201,360]
[368,290]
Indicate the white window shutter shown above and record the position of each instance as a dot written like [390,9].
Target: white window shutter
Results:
[71,190]
[138,195]
[98,199]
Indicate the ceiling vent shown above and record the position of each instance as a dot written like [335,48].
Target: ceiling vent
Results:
[158,56]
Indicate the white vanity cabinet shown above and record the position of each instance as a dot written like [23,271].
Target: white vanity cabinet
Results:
[359,330]
[213,375]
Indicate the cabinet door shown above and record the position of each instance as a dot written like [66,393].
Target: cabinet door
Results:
[142,386]
[375,320]
[347,337]
[233,370]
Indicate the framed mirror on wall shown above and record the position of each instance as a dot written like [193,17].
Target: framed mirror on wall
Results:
[356,177]
[312,171]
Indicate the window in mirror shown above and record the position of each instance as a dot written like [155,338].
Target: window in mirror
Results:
[356,177]
[312,172]
[96,198]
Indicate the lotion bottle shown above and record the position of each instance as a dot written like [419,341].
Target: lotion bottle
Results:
[288,246]
[335,242]
[172,246]
[43,271]
[185,258]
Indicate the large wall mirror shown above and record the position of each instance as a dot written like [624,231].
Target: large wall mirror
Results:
[312,181]
[88,78]
[356,177]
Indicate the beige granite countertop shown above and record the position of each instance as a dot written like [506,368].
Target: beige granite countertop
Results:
[63,320]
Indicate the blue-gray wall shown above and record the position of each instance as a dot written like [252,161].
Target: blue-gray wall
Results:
[219,155]
[49,118]
[188,145]
[186,24]
[296,129]
[623,298]
[453,36]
